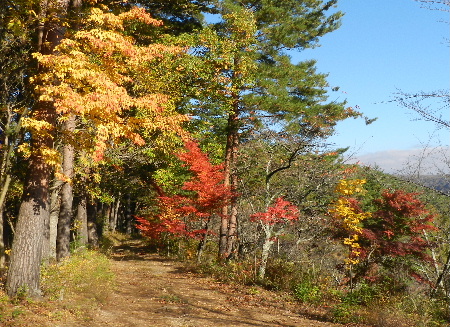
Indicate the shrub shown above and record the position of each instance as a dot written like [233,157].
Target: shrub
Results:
[240,272]
[306,291]
[281,274]
[364,294]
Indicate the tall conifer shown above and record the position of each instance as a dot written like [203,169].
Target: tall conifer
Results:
[257,85]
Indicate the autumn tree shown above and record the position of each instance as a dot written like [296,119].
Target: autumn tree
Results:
[391,232]
[397,228]
[349,219]
[72,83]
[15,99]
[27,247]
[272,221]
[200,198]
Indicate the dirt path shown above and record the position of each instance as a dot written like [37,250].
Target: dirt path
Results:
[153,291]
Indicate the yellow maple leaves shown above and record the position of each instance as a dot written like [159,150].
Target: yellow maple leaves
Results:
[349,187]
[349,216]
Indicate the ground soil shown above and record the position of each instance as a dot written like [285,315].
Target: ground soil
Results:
[155,291]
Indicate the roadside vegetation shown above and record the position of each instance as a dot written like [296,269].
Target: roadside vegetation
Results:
[392,284]
[71,291]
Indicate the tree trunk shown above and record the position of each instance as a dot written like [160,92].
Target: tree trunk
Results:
[82,223]
[26,252]
[202,243]
[114,215]
[232,234]
[66,212]
[5,175]
[228,227]
[2,219]
[105,214]
[129,210]
[267,246]
[54,214]
[2,241]
[92,224]
[441,276]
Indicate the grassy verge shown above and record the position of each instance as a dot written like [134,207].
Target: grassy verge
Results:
[72,289]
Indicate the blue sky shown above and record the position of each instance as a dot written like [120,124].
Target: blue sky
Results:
[383,46]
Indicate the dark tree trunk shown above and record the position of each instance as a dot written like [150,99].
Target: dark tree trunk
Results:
[26,252]
[204,239]
[8,147]
[128,215]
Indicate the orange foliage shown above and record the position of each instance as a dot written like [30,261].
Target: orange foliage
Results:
[90,73]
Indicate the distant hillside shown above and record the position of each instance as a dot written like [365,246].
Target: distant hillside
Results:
[440,183]
[434,189]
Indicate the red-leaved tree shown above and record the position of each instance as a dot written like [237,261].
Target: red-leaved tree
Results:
[393,235]
[204,194]
[273,222]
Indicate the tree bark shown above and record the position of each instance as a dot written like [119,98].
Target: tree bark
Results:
[34,212]
[204,239]
[232,236]
[82,223]
[66,212]
[267,246]
[128,216]
[105,214]
[114,215]
[9,145]
[54,214]
[441,276]
[26,252]
[2,241]
[92,224]
[228,227]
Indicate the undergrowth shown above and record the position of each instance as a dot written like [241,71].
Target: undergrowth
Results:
[72,289]
[377,305]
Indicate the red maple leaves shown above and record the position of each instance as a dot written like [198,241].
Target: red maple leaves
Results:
[397,227]
[206,195]
[206,182]
[393,234]
[281,212]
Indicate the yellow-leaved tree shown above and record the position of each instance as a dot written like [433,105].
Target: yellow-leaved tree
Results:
[87,79]
[91,76]
[349,216]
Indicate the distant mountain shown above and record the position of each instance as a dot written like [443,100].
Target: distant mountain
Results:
[440,183]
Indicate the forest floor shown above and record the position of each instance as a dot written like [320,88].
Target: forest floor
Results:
[154,291]
[151,290]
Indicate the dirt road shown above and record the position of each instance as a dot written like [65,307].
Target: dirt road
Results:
[153,291]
